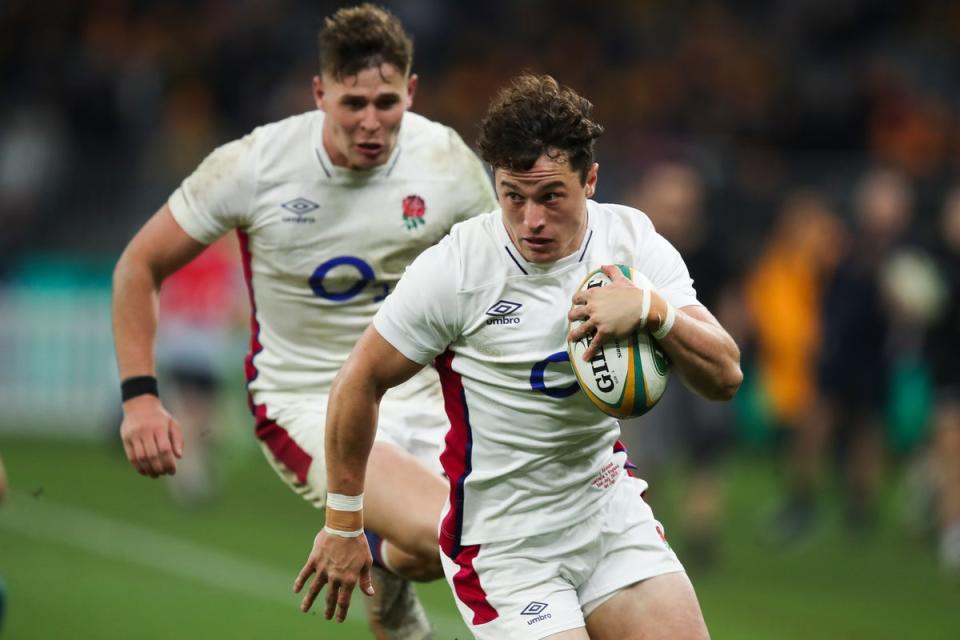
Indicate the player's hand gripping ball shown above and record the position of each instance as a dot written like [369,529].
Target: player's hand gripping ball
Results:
[627,375]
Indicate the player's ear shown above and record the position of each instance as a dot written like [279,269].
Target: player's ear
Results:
[590,185]
[411,89]
[318,92]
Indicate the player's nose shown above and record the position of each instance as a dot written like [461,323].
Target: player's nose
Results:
[370,122]
[533,215]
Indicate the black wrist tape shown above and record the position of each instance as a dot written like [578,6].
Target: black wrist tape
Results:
[138,386]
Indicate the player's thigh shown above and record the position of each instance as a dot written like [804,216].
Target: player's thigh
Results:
[402,499]
[664,607]
[637,588]
[630,546]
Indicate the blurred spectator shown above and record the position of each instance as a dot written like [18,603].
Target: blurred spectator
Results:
[188,130]
[784,293]
[672,195]
[32,155]
[855,367]
[856,360]
[943,347]
[201,309]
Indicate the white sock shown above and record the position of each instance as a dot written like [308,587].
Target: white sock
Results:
[385,557]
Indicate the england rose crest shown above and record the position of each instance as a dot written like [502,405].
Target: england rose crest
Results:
[414,209]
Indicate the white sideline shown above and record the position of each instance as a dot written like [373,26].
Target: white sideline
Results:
[116,539]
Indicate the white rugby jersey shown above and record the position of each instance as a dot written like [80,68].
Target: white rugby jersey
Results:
[324,245]
[527,453]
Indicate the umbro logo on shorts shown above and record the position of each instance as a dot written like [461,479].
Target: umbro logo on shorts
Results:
[502,312]
[536,609]
[300,207]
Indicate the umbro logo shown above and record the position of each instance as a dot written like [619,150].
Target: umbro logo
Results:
[536,609]
[501,310]
[300,207]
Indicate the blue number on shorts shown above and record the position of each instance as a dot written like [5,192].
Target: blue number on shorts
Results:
[366,277]
[536,377]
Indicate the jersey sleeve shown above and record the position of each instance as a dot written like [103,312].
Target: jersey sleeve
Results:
[420,318]
[475,187]
[662,263]
[218,196]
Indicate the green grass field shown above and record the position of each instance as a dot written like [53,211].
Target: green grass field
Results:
[89,549]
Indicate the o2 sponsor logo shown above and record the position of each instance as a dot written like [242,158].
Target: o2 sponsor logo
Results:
[537,382]
[365,276]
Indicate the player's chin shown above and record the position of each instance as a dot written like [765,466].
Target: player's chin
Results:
[365,162]
[537,253]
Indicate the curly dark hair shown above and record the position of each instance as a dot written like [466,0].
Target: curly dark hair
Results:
[357,38]
[533,116]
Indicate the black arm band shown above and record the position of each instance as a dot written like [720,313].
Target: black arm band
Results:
[138,386]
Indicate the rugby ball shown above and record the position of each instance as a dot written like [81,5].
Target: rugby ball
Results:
[626,376]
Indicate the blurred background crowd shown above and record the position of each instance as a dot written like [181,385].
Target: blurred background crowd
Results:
[803,156]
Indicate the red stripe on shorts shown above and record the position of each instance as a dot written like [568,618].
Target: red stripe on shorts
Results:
[281,444]
[466,584]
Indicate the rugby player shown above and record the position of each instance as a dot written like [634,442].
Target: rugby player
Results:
[544,533]
[330,207]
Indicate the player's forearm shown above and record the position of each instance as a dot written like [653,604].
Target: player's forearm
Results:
[705,356]
[350,430]
[135,302]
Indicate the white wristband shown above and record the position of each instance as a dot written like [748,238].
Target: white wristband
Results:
[341,502]
[645,302]
[667,323]
[343,534]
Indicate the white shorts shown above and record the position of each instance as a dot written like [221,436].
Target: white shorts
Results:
[291,427]
[535,587]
